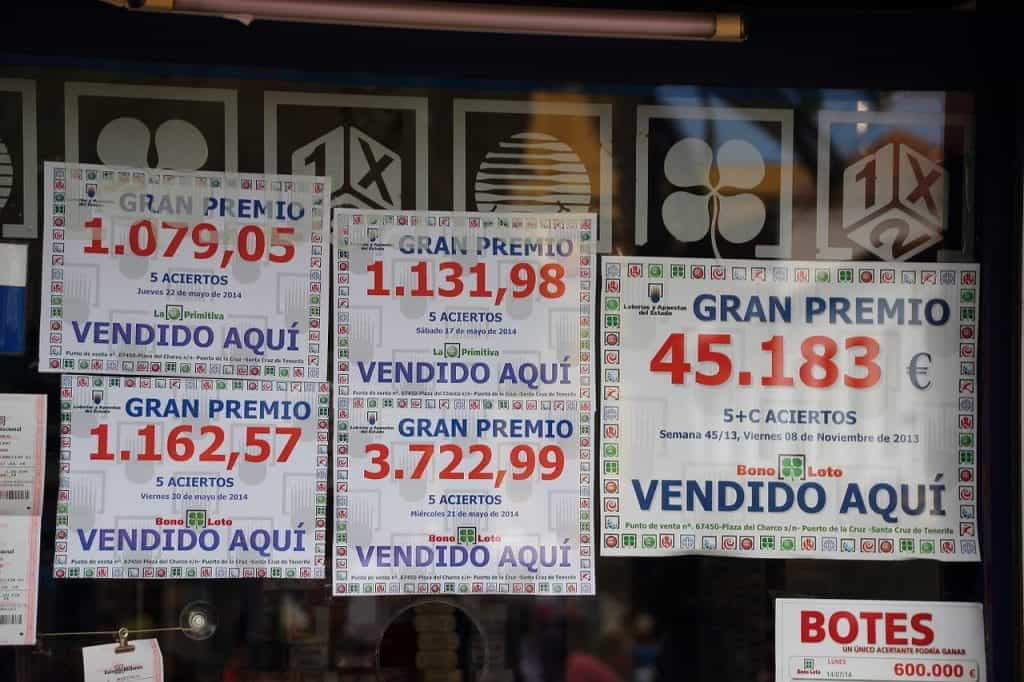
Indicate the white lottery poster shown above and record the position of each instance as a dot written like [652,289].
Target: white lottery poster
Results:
[22,469]
[104,663]
[192,478]
[796,410]
[826,639]
[184,274]
[463,403]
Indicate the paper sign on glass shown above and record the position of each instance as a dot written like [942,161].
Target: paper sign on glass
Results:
[183,273]
[103,663]
[831,639]
[790,410]
[22,468]
[192,478]
[463,449]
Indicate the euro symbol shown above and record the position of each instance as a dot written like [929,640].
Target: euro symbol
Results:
[915,370]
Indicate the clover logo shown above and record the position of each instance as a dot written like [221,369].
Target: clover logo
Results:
[711,196]
[195,518]
[792,467]
[177,144]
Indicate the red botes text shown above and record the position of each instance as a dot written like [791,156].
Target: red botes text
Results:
[892,628]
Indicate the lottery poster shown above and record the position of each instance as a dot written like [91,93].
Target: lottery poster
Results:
[463,460]
[797,410]
[183,274]
[831,639]
[22,470]
[192,478]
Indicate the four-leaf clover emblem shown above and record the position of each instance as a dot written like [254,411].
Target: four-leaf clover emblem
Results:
[714,191]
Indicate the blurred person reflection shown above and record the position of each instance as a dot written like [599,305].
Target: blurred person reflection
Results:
[614,664]
[645,648]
